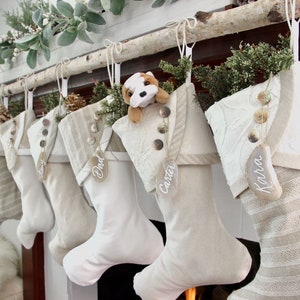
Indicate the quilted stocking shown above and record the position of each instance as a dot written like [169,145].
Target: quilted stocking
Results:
[75,219]
[123,234]
[277,226]
[37,212]
[199,250]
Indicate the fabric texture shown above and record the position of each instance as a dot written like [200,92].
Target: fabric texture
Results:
[37,214]
[199,250]
[10,197]
[183,149]
[123,234]
[278,229]
[75,219]
[231,119]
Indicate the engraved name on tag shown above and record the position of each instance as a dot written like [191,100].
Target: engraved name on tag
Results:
[167,179]
[98,165]
[261,176]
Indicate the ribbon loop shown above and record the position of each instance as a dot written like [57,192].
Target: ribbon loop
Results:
[113,68]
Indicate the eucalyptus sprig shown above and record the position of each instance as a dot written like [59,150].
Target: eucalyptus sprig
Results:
[35,23]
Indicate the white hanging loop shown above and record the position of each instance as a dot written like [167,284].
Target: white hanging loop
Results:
[3,99]
[28,93]
[184,49]
[113,68]
[63,87]
[181,27]
[290,10]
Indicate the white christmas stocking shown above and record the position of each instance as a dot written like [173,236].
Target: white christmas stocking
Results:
[37,212]
[10,197]
[251,177]
[278,229]
[123,234]
[199,250]
[75,219]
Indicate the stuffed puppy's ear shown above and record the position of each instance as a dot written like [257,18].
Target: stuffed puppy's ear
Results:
[135,114]
[150,73]
[125,95]
[162,96]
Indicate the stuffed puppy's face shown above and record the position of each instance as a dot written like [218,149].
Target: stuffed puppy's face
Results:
[140,89]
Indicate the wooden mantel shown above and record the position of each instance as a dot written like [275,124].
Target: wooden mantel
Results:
[210,25]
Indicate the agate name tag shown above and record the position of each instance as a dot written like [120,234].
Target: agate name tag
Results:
[98,165]
[167,179]
[261,176]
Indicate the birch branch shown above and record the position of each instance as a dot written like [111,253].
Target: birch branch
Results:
[210,25]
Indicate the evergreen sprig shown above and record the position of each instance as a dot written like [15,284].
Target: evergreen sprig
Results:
[100,91]
[113,107]
[16,106]
[179,72]
[248,65]
[50,101]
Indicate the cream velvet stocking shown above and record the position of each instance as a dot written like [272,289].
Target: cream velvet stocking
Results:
[37,212]
[123,234]
[199,250]
[278,229]
[75,219]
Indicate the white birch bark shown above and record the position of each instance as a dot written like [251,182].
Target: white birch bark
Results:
[257,14]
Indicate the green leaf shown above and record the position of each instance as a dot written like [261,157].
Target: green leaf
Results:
[105,4]
[31,58]
[7,53]
[46,52]
[54,10]
[95,5]
[158,3]
[47,32]
[36,46]
[37,18]
[82,26]
[27,39]
[94,28]
[2,61]
[82,36]
[66,38]
[116,6]
[92,17]
[80,9]
[65,8]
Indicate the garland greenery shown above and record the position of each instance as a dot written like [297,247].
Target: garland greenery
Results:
[248,65]
[36,22]
[178,73]
[100,91]
[113,107]
[50,101]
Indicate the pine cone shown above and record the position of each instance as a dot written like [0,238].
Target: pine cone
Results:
[74,102]
[4,114]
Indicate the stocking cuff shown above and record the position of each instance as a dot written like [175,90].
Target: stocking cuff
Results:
[231,120]
[187,140]
[54,148]
[13,136]
[81,133]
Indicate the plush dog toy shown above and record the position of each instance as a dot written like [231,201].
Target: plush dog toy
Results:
[140,90]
